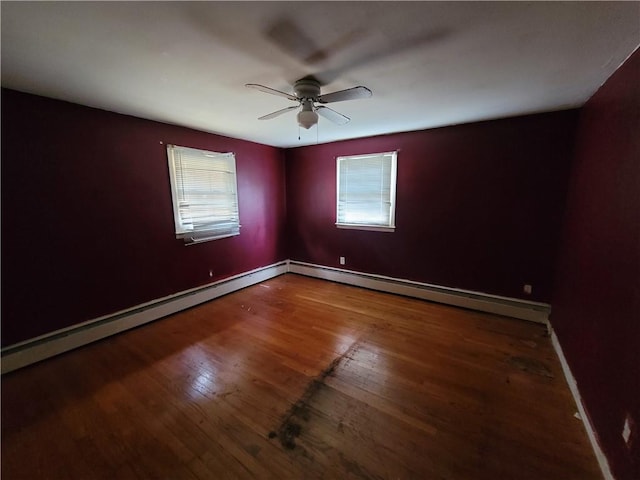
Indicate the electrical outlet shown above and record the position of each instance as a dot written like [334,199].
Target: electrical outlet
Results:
[342,261]
[526,288]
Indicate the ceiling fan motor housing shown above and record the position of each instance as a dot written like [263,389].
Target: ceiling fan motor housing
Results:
[307,88]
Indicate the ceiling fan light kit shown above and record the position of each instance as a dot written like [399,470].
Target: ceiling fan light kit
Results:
[307,118]
[307,94]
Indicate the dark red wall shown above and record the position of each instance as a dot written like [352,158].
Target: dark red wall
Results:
[87,222]
[479,206]
[596,306]
[87,225]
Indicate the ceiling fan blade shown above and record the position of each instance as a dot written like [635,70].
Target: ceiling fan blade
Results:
[272,91]
[348,94]
[277,113]
[332,115]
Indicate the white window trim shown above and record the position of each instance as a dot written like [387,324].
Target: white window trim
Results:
[191,237]
[361,226]
[393,174]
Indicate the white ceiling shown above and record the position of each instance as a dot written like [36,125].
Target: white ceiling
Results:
[429,64]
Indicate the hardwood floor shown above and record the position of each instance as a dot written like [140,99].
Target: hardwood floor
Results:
[303,379]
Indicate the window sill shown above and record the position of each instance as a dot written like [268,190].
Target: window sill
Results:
[192,239]
[371,228]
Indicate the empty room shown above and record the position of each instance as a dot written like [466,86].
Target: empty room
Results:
[320,240]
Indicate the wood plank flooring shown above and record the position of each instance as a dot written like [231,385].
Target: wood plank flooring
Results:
[299,378]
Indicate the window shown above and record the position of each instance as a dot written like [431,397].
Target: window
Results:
[366,187]
[204,193]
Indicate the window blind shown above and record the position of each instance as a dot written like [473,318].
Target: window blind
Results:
[366,187]
[204,193]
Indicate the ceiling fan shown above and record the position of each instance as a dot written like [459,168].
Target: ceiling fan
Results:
[307,94]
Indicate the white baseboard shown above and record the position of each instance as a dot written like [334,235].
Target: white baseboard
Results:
[584,415]
[510,307]
[39,348]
